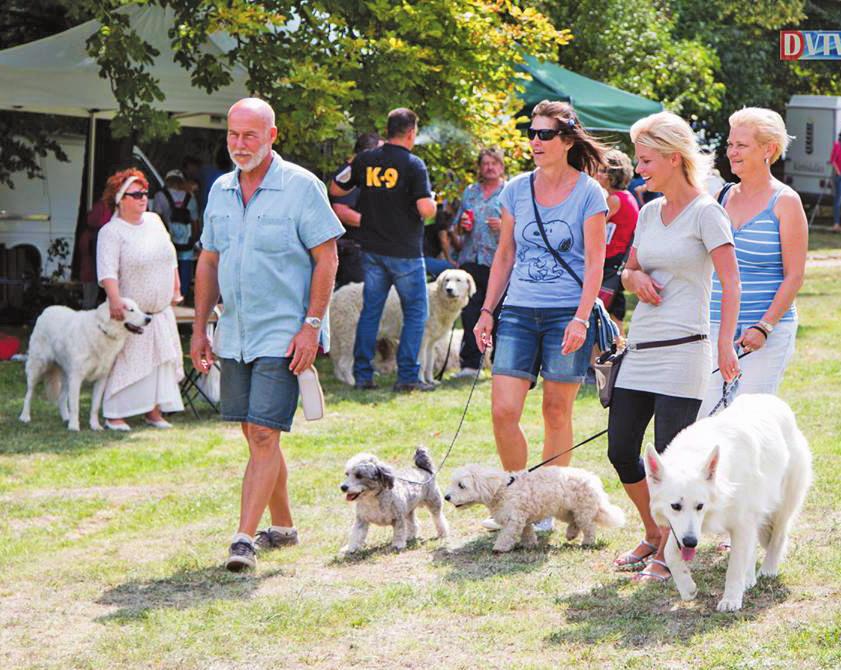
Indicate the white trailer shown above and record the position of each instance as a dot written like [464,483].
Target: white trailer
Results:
[815,121]
[36,212]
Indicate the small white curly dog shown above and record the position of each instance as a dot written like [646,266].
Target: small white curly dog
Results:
[448,295]
[572,495]
[388,498]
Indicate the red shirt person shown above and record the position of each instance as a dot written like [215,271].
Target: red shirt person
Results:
[623,212]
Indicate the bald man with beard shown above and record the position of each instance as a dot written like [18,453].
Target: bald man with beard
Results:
[269,250]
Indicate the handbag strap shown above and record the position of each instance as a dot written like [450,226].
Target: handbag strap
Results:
[542,230]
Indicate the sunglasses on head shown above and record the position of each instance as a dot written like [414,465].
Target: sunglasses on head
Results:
[137,195]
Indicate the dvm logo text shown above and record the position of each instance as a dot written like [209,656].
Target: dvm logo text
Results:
[810,44]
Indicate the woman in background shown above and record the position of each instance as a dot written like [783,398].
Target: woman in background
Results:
[136,259]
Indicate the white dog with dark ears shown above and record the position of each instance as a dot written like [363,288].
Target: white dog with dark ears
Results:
[388,498]
[572,495]
[744,471]
[69,347]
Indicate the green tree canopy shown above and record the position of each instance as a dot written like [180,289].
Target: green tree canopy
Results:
[332,68]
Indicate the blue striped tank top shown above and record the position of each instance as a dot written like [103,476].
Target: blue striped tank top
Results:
[760,261]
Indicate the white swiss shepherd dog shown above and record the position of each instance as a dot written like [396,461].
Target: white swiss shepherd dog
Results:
[744,471]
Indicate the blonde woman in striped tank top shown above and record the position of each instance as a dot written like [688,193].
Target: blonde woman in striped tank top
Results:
[771,238]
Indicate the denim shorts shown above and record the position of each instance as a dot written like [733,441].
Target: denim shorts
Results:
[263,392]
[529,341]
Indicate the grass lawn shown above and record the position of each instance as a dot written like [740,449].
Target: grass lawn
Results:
[111,546]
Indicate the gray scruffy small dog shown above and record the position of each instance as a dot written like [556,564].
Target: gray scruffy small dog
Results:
[386,498]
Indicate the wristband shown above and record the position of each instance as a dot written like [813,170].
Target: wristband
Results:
[583,322]
[760,329]
[487,311]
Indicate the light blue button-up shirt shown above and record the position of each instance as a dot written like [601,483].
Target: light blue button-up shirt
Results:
[265,268]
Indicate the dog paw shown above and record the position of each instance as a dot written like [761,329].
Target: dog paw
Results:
[750,582]
[688,593]
[23,419]
[74,427]
[96,426]
[502,548]
[768,572]
[729,604]
[347,551]
[398,547]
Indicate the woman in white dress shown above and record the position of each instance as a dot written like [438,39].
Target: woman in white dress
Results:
[136,259]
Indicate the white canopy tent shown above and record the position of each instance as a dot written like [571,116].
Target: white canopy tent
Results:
[55,75]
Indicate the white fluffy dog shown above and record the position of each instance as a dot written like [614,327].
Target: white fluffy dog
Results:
[69,347]
[572,495]
[388,498]
[744,471]
[448,295]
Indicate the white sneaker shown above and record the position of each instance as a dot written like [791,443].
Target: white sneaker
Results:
[491,524]
[546,525]
[465,373]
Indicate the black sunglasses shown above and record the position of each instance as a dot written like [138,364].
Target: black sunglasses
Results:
[545,134]
[137,195]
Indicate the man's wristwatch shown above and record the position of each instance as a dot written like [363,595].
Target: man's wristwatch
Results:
[313,321]
[583,322]
[767,326]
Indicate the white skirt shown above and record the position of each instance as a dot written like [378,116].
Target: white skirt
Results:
[159,387]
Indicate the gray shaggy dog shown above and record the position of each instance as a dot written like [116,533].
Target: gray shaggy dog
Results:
[388,498]
[572,495]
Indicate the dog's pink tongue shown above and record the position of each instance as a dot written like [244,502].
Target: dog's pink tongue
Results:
[687,553]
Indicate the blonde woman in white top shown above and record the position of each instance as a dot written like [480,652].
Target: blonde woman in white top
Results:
[136,259]
[678,240]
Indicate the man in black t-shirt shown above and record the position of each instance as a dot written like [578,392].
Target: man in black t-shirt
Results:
[394,199]
[346,208]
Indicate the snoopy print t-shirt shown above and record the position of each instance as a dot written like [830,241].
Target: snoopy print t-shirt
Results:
[537,279]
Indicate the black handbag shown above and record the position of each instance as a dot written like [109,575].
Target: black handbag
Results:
[607,364]
[606,368]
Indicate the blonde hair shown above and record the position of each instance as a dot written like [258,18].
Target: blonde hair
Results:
[619,169]
[768,127]
[667,133]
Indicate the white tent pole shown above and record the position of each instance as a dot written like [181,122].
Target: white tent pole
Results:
[91,156]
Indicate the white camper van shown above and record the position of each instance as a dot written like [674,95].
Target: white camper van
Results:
[38,211]
[815,121]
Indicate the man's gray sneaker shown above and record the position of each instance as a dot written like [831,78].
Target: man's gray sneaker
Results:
[241,556]
[274,539]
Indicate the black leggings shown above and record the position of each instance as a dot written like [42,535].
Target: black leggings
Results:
[630,414]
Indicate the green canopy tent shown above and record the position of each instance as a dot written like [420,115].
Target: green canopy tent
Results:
[599,106]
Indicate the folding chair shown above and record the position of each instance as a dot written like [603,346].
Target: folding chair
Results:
[191,386]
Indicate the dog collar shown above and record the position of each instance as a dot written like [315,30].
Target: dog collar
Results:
[105,332]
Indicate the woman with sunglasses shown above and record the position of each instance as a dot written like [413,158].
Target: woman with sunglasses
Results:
[678,240]
[545,325]
[135,259]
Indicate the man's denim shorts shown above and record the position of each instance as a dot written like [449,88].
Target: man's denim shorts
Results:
[263,392]
[529,341]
